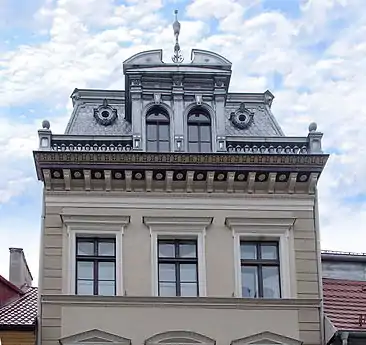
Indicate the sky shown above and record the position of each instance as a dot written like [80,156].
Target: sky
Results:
[311,54]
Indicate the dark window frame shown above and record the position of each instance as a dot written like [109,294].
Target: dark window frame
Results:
[159,123]
[177,261]
[95,259]
[191,122]
[260,263]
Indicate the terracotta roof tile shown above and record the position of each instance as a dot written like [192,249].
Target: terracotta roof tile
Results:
[344,302]
[22,311]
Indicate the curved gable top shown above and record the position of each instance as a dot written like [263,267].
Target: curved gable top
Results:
[149,57]
[204,57]
[266,338]
[179,337]
[95,336]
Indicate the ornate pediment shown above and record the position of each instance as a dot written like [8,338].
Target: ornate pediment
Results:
[94,336]
[266,338]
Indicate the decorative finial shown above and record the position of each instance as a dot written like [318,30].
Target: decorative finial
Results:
[177,57]
[46,124]
[313,127]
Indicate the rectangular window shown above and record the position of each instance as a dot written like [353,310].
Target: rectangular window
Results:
[260,269]
[95,266]
[178,268]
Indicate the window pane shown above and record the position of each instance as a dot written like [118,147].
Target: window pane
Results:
[271,282]
[106,248]
[205,133]
[166,250]
[85,248]
[188,273]
[106,288]
[106,271]
[152,131]
[193,133]
[269,251]
[164,131]
[248,251]
[193,147]
[166,272]
[205,147]
[167,289]
[152,146]
[85,287]
[249,281]
[187,250]
[85,270]
[164,146]
[188,289]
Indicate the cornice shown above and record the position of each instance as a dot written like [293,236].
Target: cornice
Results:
[181,302]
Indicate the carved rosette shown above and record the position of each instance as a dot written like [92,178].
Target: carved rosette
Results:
[105,115]
[242,118]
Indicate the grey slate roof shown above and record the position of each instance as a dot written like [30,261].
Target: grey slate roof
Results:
[22,311]
[82,121]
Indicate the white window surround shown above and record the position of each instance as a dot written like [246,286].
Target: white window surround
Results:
[272,229]
[179,337]
[178,227]
[98,226]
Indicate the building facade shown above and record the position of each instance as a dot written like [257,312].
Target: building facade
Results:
[178,212]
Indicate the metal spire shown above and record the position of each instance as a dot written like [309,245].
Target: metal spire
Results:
[177,57]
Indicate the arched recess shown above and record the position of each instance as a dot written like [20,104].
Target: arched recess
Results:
[157,129]
[179,337]
[199,130]
[266,338]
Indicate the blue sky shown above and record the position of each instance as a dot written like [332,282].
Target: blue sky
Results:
[310,54]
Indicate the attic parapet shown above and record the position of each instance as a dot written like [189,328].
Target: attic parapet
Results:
[277,145]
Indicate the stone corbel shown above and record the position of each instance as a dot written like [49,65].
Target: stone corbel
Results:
[47,178]
[87,179]
[189,181]
[169,180]
[313,179]
[221,143]
[210,180]
[137,142]
[67,178]
[230,181]
[108,180]
[178,143]
[271,182]
[292,183]
[148,180]
[128,178]
[251,181]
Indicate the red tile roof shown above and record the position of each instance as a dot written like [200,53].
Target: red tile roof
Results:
[20,312]
[344,302]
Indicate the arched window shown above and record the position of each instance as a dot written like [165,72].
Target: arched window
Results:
[157,130]
[199,131]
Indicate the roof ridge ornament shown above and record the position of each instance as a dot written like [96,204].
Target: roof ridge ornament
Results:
[177,57]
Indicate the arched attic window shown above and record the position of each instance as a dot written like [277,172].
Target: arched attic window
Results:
[199,130]
[157,130]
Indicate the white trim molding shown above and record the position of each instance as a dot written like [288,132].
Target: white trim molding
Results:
[273,229]
[178,227]
[92,225]
[266,338]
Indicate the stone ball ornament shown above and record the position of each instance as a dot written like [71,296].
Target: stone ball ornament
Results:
[242,118]
[313,127]
[46,124]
